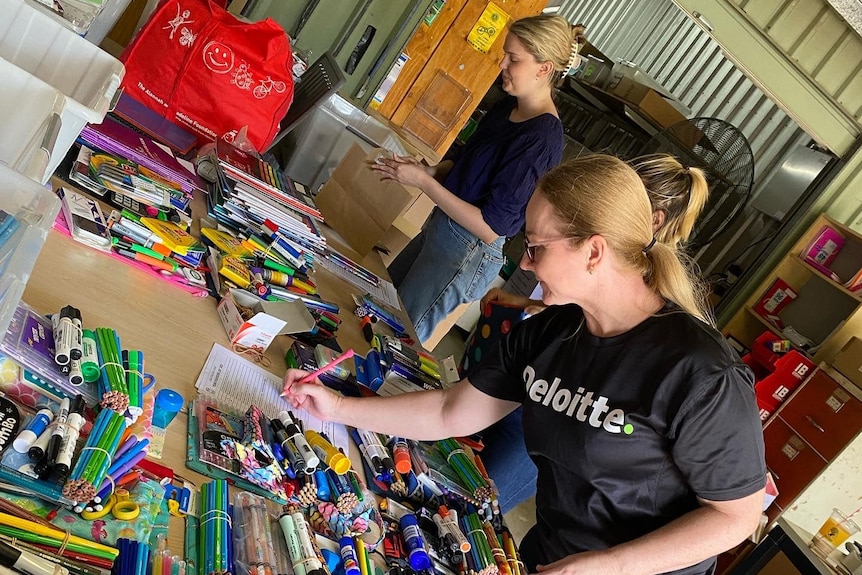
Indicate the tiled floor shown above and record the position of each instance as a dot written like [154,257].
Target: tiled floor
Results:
[522,517]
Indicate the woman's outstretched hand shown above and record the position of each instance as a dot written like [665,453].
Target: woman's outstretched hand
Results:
[402,169]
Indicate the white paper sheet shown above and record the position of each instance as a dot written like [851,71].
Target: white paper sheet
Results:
[235,382]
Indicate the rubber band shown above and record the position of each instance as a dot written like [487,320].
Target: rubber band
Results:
[113,485]
[454,452]
[120,365]
[306,561]
[66,538]
[215,513]
[477,531]
[136,372]
[97,448]
[256,353]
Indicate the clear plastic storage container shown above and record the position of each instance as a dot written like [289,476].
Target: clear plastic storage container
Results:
[85,74]
[29,134]
[28,210]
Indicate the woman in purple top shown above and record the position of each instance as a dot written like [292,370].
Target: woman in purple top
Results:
[482,191]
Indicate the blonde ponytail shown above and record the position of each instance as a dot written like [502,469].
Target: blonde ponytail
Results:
[602,195]
[677,191]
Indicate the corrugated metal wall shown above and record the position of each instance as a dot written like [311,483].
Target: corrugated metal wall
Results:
[660,39]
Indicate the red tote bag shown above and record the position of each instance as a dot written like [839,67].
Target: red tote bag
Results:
[202,68]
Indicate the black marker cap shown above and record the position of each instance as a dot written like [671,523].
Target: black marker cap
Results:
[8,555]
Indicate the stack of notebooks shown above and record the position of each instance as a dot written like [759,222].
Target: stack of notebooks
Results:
[114,157]
[251,191]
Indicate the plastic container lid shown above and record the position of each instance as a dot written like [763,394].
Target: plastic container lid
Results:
[169,400]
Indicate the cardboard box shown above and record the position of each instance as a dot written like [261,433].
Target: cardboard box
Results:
[357,204]
[270,320]
[848,361]
[648,101]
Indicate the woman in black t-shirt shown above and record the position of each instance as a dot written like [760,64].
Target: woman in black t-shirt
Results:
[640,419]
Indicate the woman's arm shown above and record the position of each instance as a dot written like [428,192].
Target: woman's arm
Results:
[713,528]
[423,415]
[409,172]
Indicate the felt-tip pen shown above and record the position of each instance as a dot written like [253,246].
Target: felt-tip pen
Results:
[26,562]
[55,441]
[74,423]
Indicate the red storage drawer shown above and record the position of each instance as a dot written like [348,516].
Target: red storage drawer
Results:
[792,461]
[824,414]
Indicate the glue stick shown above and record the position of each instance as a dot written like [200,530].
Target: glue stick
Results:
[326,452]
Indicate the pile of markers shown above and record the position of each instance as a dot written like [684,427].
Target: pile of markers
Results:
[133,559]
[158,244]
[96,456]
[273,267]
[215,539]
[50,444]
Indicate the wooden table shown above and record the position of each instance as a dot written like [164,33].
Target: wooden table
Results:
[174,329]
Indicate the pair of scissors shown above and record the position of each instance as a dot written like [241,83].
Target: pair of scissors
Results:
[119,504]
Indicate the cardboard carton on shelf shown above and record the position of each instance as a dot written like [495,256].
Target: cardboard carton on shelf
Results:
[358,205]
[647,100]
[848,361]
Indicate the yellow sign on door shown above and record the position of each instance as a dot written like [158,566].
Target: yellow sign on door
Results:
[490,24]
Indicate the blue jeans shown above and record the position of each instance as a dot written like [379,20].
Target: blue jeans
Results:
[441,268]
[508,464]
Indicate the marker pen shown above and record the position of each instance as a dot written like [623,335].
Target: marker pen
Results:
[75,334]
[37,450]
[89,359]
[74,423]
[61,350]
[26,562]
[67,330]
[76,377]
[311,459]
[297,461]
[54,442]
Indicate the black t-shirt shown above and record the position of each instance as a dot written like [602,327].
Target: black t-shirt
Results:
[627,430]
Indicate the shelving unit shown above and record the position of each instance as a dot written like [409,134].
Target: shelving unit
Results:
[825,311]
[823,415]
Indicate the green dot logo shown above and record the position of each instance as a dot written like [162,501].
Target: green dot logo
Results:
[628,429]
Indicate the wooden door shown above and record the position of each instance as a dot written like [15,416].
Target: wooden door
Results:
[472,70]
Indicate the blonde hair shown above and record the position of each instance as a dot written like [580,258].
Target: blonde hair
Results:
[550,38]
[674,189]
[602,195]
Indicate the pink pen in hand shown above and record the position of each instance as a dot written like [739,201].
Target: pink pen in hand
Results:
[310,377]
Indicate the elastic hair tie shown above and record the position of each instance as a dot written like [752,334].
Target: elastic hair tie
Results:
[649,245]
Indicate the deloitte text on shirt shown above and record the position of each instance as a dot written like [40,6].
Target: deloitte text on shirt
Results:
[581,405]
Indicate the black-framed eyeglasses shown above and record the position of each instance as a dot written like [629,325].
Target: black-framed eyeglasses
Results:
[530,249]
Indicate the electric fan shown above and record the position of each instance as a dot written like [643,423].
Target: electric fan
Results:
[725,156]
